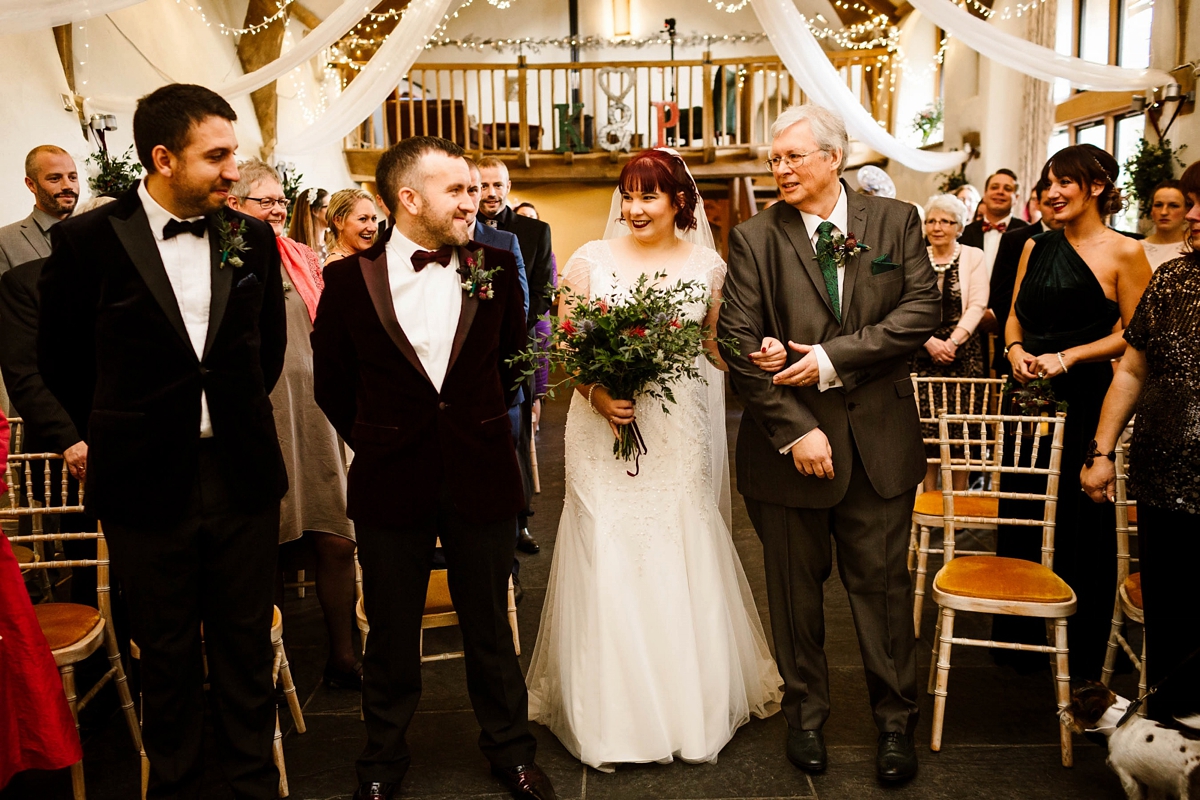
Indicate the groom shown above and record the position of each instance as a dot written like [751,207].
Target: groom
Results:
[831,446]
[410,367]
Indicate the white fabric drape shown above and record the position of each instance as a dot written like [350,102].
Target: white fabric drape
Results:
[1034,59]
[812,69]
[375,82]
[19,16]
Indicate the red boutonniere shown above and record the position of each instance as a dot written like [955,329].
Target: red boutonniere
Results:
[230,239]
[477,279]
[846,247]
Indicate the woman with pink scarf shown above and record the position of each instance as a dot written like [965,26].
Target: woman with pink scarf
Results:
[316,500]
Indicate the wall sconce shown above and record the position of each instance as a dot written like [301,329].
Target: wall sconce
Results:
[1137,103]
[621,22]
[1169,106]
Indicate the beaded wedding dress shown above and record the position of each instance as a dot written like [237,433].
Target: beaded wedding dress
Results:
[650,646]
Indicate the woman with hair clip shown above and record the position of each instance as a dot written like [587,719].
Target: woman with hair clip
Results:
[1076,289]
[308,221]
[650,647]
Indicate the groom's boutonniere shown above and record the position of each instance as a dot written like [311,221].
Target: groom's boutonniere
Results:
[477,280]
[846,247]
[230,239]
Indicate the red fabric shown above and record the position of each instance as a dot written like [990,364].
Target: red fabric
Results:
[4,433]
[36,728]
[999,226]
[304,269]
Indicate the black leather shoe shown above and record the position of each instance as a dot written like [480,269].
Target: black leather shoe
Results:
[896,758]
[526,781]
[375,791]
[518,592]
[806,749]
[526,543]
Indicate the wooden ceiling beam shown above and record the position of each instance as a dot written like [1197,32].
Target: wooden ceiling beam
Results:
[256,51]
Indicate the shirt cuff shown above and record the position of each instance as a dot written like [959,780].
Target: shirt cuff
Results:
[827,377]
[783,451]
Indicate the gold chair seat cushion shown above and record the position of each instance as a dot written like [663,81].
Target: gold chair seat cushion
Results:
[1132,511]
[437,596]
[998,578]
[929,504]
[65,624]
[1133,589]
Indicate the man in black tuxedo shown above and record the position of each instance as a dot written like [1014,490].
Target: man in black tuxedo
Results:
[410,366]
[1004,272]
[534,238]
[999,194]
[162,332]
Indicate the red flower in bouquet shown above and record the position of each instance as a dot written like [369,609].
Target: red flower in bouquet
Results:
[568,327]
[638,331]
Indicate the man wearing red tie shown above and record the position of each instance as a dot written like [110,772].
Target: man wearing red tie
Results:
[998,195]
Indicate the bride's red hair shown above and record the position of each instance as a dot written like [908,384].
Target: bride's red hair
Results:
[659,171]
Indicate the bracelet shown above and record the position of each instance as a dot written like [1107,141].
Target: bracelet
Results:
[592,407]
[1062,363]
[1094,453]
[1010,346]
[953,341]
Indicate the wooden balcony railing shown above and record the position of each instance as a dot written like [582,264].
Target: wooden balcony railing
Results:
[520,109]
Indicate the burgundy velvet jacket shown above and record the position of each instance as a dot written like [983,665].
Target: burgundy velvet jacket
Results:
[411,441]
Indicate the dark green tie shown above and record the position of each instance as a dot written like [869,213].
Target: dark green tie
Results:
[828,264]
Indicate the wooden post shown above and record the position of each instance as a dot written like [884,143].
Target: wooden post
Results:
[708,124]
[258,50]
[523,110]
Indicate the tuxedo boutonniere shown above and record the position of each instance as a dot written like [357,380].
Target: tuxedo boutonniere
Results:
[477,279]
[231,240]
[287,287]
[846,247]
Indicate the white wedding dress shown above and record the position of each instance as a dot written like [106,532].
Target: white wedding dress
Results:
[650,647]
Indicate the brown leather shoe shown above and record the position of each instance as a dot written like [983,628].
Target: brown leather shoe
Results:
[526,781]
[375,791]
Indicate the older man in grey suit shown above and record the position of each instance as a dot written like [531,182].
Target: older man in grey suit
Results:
[51,175]
[830,447]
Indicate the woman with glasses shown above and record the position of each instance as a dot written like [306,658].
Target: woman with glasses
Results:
[315,506]
[352,223]
[954,350]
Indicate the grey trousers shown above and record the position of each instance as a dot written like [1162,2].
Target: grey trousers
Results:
[871,533]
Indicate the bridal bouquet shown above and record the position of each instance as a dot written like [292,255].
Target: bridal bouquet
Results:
[635,345]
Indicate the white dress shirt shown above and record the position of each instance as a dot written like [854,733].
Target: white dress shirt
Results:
[188,263]
[991,243]
[427,304]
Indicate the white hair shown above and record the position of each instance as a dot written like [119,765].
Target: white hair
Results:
[827,128]
[949,204]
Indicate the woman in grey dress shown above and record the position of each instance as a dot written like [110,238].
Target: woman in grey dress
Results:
[315,505]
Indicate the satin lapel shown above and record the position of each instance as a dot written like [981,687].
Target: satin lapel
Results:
[858,222]
[793,226]
[376,277]
[138,241]
[222,282]
[466,314]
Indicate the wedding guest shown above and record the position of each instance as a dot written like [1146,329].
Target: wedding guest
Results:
[352,223]
[999,193]
[969,196]
[534,238]
[875,182]
[315,505]
[1072,287]
[1171,228]
[541,378]
[1004,272]
[162,331]
[953,350]
[424,407]
[309,222]
[51,176]
[1033,209]
[1159,379]
[829,449]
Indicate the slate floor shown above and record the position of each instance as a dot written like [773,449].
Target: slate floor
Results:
[1001,736]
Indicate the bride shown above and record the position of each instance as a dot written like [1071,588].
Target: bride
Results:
[650,646]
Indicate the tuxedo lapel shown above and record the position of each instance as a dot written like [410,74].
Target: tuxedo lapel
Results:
[857,220]
[375,275]
[222,282]
[465,316]
[793,227]
[134,234]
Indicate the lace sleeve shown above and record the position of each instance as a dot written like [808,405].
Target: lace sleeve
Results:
[716,273]
[577,274]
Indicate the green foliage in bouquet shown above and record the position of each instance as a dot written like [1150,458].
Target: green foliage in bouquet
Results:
[114,175]
[928,120]
[635,348]
[1034,399]
[1149,166]
[290,180]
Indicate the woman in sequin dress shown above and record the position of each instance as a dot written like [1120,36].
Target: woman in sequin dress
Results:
[1159,378]
[1073,287]
[650,647]
[954,349]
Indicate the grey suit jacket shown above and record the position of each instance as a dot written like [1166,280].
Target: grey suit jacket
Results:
[775,288]
[20,243]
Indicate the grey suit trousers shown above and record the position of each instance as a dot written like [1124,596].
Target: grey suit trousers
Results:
[871,533]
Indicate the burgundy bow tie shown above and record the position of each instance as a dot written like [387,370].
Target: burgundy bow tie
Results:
[999,226]
[423,258]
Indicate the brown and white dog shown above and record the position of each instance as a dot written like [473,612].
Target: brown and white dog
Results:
[1152,760]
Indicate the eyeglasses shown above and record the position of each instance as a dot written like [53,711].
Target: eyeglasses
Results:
[793,160]
[941,223]
[267,203]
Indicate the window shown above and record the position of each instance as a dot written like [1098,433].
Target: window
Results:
[1058,140]
[1129,131]
[1134,42]
[1093,133]
[1093,30]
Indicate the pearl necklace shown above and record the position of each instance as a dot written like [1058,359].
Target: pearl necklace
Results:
[942,269]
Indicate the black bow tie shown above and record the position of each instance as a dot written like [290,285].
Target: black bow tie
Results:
[423,258]
[175,227]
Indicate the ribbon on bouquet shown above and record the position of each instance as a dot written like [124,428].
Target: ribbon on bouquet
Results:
[639,448]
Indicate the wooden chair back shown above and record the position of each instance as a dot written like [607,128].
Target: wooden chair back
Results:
[16,435]
[1126,512]
[955,396]
[35,488]
[983,434]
